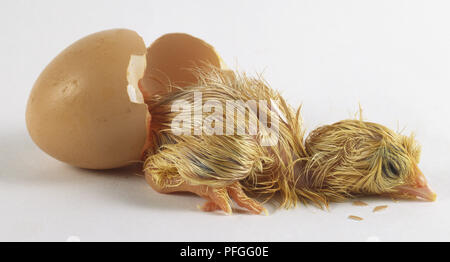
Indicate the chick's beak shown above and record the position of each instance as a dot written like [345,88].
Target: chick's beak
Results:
[418,189]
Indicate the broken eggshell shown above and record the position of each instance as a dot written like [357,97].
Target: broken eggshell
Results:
[172,60]
[86,109]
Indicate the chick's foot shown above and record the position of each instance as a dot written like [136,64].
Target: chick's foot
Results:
[220,198]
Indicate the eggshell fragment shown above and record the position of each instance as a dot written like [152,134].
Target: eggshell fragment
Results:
[85,108]
[379,208]
[357,218]
[359,203]
[171,60]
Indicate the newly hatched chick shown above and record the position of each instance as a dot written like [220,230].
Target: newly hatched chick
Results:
[335,162]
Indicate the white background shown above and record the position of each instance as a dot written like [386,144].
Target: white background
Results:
[391,56]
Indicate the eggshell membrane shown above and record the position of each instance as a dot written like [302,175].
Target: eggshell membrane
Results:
[171,59]
[79,110]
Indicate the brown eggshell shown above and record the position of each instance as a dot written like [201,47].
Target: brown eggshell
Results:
[79,110]
[170,60]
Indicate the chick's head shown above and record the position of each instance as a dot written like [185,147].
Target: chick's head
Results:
[354,157]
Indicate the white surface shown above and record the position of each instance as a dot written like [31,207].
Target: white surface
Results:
[391,56]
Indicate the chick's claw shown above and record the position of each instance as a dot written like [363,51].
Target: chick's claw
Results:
[209,207]
[220,199]
[237,194]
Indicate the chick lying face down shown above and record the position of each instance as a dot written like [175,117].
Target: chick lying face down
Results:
[335,162]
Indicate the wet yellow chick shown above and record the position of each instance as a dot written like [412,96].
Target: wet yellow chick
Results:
[335,162]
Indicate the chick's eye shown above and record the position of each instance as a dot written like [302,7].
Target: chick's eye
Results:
[391,169]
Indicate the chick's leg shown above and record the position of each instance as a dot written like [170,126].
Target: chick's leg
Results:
[220,198]
[217,198]
[237,194]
